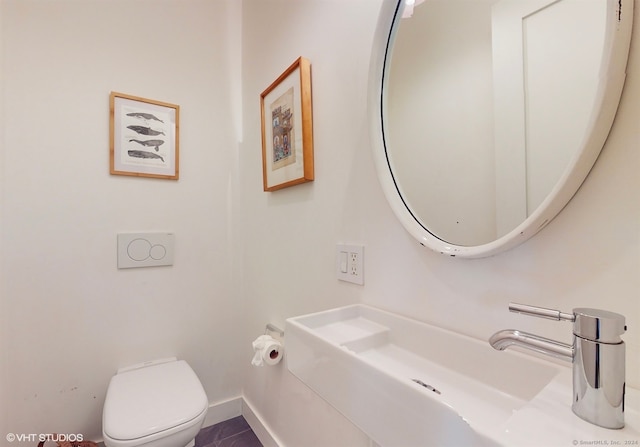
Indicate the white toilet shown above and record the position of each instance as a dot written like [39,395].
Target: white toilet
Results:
[154,404]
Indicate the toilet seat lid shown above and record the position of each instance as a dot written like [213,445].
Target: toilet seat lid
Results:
[150,400]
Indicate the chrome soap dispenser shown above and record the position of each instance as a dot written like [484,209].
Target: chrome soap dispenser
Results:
[597,354]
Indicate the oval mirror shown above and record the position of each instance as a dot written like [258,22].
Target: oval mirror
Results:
[487,115]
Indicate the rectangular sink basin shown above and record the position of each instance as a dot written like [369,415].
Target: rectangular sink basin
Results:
[407,383]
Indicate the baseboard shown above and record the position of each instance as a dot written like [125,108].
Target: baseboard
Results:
[257,424]
[217,412]
[223,411]
[230,408]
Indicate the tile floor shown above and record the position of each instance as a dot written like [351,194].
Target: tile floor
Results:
[232,433]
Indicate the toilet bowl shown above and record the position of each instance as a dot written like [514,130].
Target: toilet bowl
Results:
[154,404]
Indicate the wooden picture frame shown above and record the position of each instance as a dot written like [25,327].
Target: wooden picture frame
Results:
[287,128]
[144,137]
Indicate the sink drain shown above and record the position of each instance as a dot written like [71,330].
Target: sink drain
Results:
[426,385]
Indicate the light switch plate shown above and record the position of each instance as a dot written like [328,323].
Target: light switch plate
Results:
[145,250]
[350,263]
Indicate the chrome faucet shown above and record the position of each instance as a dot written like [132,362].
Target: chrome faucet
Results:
[597,354]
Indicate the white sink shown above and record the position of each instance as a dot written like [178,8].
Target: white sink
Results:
[406,383]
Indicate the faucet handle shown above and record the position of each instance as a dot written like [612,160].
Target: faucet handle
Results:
[542,312]
[599,325]
[592,324]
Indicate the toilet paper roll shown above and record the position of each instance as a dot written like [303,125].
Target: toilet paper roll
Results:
[268,351]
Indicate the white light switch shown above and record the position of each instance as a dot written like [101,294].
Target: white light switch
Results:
[343,261]
[144,250]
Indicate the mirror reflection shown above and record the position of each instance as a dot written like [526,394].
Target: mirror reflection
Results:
[488,101]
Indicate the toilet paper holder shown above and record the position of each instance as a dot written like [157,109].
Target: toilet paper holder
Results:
[268,348]
[270,329]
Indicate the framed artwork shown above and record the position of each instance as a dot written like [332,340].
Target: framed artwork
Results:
[143,137]
[287,128]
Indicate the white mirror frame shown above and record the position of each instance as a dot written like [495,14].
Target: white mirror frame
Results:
[613,73]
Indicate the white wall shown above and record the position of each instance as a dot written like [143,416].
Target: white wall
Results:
[4,335]
[69,317]
[588,256]
[290,235]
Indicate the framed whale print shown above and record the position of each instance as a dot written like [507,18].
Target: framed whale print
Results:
[144,137]
[287,128]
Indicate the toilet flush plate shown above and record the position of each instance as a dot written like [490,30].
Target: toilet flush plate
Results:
[145,250]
